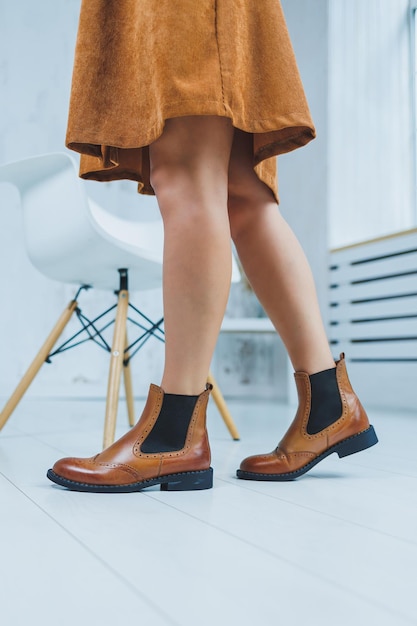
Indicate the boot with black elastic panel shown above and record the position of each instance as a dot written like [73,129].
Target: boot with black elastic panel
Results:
[330,418]
[168,446]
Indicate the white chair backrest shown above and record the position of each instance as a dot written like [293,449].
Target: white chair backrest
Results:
[70,238]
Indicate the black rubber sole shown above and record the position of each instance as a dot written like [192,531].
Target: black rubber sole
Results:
[184,481]
[356,443]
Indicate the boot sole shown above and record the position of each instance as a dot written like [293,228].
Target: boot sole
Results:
[184,481]
[356,443]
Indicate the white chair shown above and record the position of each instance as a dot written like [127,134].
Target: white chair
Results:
[71,239]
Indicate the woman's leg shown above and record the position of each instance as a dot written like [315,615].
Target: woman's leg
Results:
[330,417]
[169,445]
[189,173]
[275,263]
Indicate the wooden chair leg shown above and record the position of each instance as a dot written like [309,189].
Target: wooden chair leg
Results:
[37,363]
[127,377]
[116,366]
[222,406]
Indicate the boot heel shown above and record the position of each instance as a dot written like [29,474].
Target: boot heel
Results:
[189,481]
[359,442]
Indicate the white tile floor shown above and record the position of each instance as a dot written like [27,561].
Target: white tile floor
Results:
[338,546]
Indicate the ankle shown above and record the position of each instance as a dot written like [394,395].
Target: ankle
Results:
[315,364]
[187,386]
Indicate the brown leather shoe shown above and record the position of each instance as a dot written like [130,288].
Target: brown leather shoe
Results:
[124,467]
[299,451]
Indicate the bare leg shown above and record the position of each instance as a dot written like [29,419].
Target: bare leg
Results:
[275,263]
[189,171]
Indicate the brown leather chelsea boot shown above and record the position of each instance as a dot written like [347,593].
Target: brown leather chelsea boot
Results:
[302,447]
[154,452]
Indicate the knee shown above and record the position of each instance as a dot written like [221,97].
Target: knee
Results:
[242,210]
[249,199]
[185,191]
[165,176]
[173,186]
[170,168]
[245,201]
[189,201]
[189,164]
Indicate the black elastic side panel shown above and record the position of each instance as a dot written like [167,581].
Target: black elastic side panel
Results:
[170,430]
[326,404]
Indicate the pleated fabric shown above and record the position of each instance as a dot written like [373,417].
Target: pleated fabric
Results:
[140,62]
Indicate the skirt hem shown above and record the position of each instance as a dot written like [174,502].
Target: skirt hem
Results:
[106,158]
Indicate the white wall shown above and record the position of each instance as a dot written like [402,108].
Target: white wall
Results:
[371,123]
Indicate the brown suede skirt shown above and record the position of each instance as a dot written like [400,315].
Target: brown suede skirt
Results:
[140,62]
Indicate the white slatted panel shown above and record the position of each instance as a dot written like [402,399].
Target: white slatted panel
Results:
[373,317]
[371,310]
[372,331]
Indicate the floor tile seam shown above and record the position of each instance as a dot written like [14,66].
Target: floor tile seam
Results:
[112,570]
[25,433]
[19,428]
[330,515]
[16,436]
[38,437]
[379,469]
[67,431]
[296,566]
